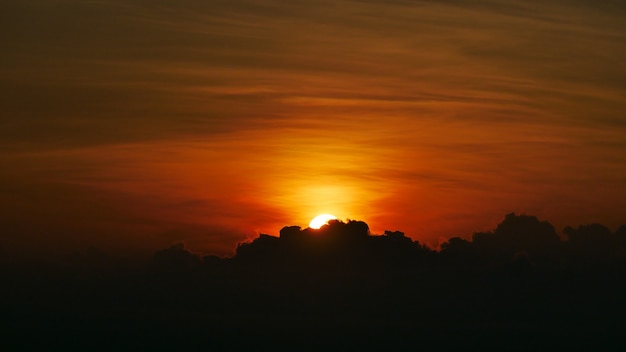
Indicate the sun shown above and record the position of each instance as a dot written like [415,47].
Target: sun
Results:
[321,220]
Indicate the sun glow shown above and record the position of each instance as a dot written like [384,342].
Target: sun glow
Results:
[321,220]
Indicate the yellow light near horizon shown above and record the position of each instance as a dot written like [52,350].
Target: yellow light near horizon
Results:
[321,220]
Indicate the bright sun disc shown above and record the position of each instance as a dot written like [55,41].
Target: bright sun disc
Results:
[321,220]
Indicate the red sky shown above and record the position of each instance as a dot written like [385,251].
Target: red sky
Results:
[133,124]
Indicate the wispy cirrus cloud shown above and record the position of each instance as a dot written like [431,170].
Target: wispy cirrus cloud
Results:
[436,110]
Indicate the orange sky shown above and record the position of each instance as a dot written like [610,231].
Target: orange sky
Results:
[135,125]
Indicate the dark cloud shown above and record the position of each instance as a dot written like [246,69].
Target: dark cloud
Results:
[331,286]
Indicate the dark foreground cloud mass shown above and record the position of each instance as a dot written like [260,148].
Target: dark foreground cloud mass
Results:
[518,287]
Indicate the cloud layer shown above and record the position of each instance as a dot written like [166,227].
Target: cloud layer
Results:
[435,117]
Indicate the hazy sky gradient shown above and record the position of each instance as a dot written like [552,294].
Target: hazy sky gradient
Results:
[135,124]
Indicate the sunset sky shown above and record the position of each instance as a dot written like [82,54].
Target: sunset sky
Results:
[135,124]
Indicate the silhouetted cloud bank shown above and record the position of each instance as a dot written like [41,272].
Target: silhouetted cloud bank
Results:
[518,287]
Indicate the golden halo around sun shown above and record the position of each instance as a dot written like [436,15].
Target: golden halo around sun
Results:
[321,220]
